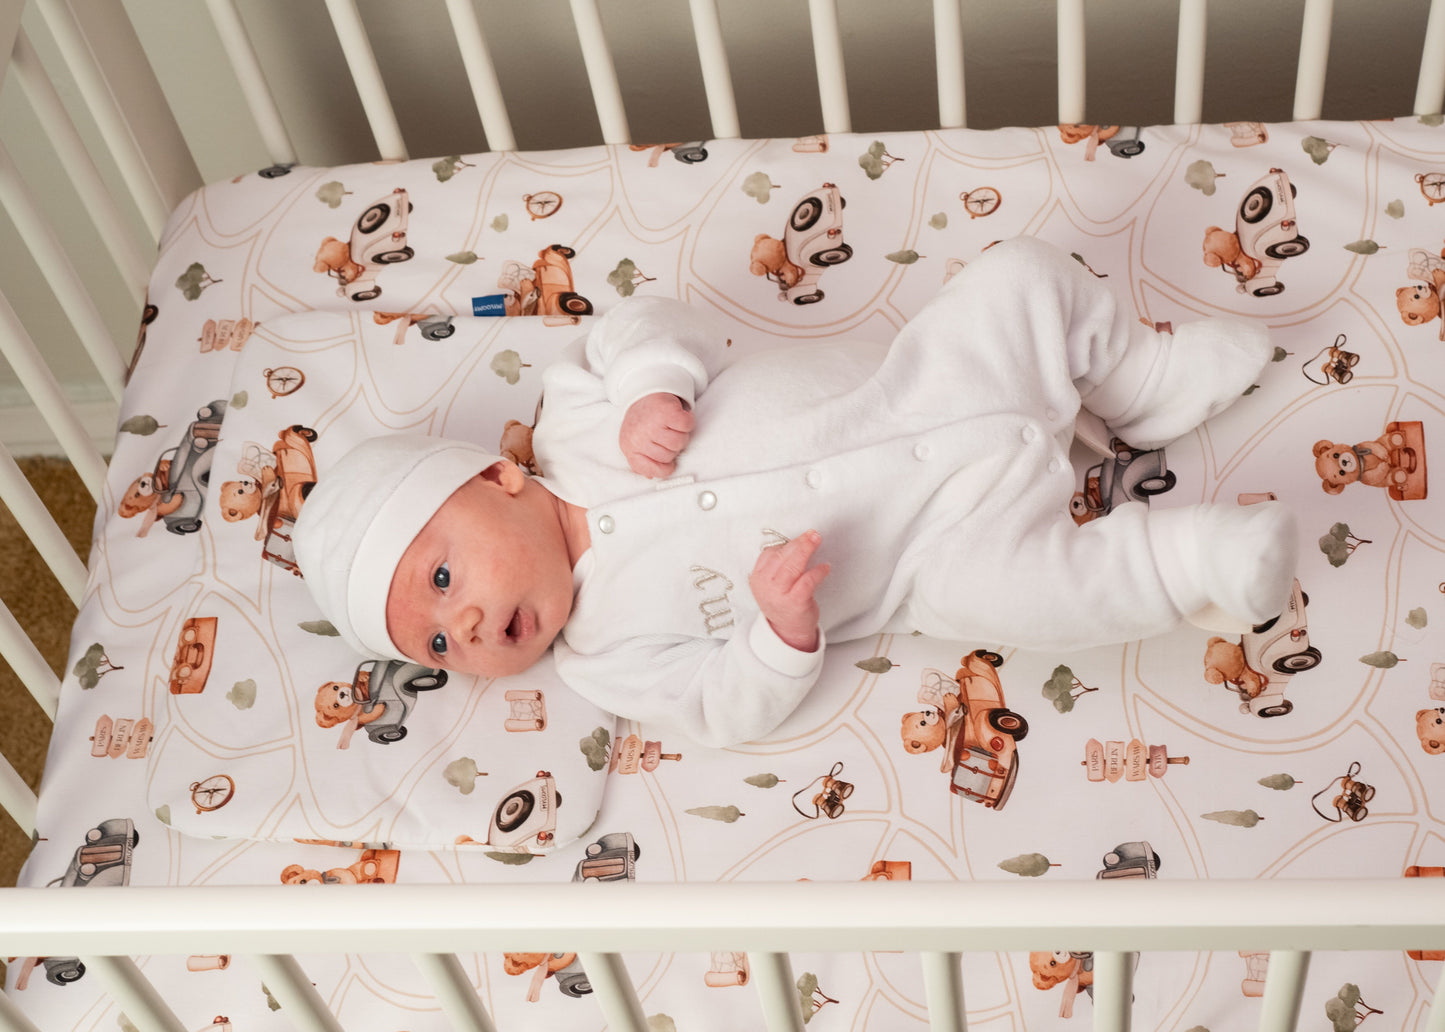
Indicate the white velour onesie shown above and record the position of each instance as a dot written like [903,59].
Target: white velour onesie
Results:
[936,470]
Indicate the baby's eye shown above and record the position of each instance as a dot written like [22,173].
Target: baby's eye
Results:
[439,642]
[442,577]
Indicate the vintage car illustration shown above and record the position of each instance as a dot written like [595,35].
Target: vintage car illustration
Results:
[378,239]
[527,815]
[1277,650]
[194,649]
[1130,860]
[1405,441]
[985,754]
[1268,233]
[545,288]
[812,242]
[183,473]
[613,857]
[394,684]
[1131,475]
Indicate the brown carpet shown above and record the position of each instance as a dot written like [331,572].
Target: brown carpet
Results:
[37,602]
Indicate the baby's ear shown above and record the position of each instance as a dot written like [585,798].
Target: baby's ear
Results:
[505,474]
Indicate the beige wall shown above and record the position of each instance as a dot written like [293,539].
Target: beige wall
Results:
[1009,58]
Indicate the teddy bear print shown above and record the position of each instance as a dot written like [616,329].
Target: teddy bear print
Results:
[1222,250]
[770,258]
[273,483]
[937,723]
[339,704]
[1420,302]
[1072,969]
[142,497]
[1430,726]
[1224,664]
[374,867]
[1394,461]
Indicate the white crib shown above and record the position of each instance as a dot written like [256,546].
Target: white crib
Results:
[147,153]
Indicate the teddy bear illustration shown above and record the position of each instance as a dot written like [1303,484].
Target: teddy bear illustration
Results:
[1420,302]
[274,483]
[374,867]
[516,445]
[1222,251]
[1430,726]
[334,257]
[936,724]
[571,980]
[337,703]
[142,497]
[1073,970]
[1394,461]
[769,258]
[1224,664]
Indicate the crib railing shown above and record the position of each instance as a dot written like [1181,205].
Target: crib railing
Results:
[768,921]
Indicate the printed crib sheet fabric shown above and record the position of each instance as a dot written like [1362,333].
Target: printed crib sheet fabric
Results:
[1310,746]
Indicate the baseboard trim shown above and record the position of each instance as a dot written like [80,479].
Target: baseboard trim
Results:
[24,431]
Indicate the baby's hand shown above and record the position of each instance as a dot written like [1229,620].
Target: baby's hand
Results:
[655,430]
[783,585]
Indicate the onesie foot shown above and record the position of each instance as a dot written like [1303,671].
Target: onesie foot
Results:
[1227,568]
[1166,385]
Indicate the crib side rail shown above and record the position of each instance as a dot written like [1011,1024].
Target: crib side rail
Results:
[768,921]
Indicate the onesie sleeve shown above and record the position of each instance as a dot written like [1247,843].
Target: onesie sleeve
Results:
[717,692]
[652,345]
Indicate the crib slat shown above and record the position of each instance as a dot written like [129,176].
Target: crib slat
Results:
[716,80]
[1430,87]
[482,75]
[12,1018]
[27,662]
[112,228]
[777,991]
[299,999]
[16,799]
[135,995]
[1113,991]
[66,283]
[943,992]
[40,527]
[259,98]
[454,991]
[361,59]
[1436,1020]
[1189,63]
[1284,988]
[1071,61]
[615,993]
[601,74]
[948,55]
[828,54]
[103,107]
[1314,54]
[19,350]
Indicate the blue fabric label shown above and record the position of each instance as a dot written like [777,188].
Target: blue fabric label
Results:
[492,304]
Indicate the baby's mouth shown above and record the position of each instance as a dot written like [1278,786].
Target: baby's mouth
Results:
[520,627]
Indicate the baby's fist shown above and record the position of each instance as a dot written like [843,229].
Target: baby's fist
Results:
[655,430]
[783,585]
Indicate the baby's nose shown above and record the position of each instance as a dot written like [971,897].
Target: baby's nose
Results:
[467,624]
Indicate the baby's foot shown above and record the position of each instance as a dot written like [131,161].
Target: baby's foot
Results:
[1228,568]
[1180,380]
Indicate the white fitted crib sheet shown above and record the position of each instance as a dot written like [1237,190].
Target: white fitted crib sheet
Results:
[1303,749]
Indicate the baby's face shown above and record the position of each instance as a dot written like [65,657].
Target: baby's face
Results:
[485,586]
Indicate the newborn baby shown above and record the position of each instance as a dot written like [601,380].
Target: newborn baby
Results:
[703,526]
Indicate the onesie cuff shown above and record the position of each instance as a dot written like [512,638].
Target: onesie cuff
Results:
[779,655]
[658,379]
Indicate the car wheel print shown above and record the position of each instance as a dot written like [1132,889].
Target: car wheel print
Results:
[373,217]
[808,211]
[1256,204]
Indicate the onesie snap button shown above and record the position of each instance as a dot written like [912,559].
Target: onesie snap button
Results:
[920,451]
[814,478]
[1052,414]
[706,500]
[606,524]
[1056,465]
[1029,433]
